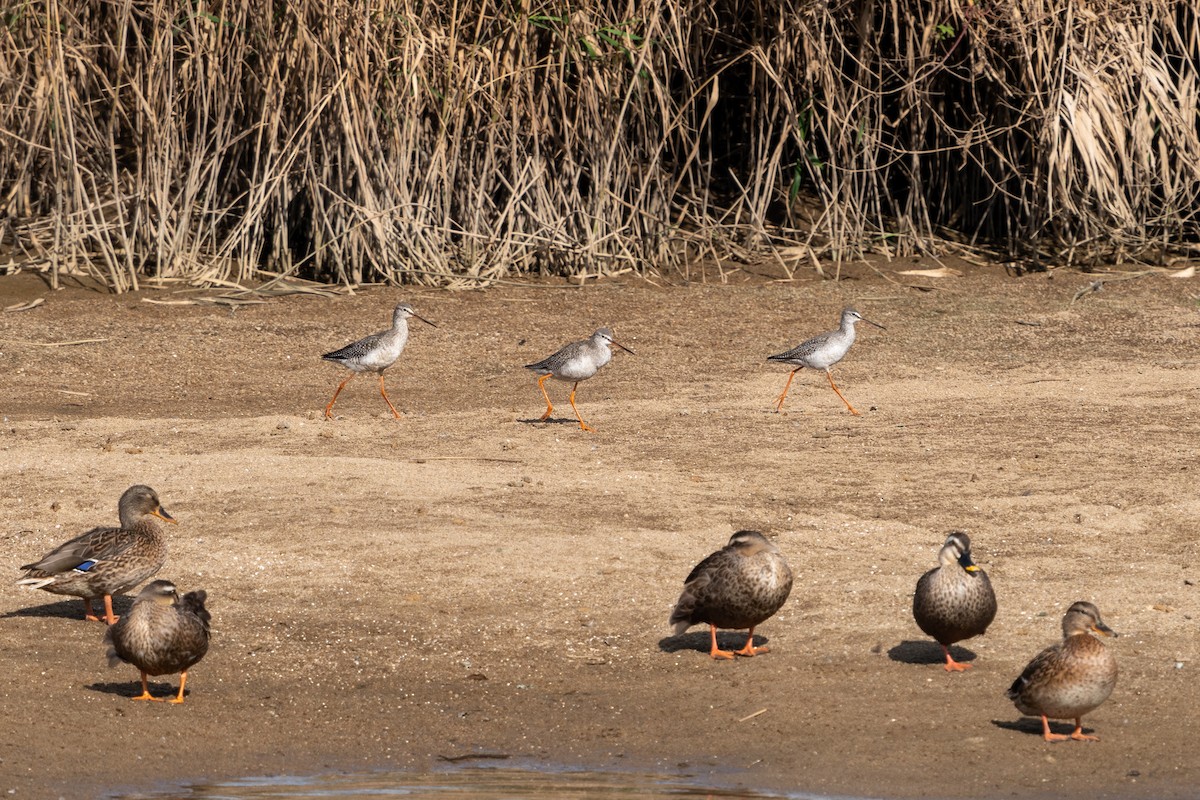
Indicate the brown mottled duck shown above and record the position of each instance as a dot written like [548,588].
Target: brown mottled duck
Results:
[740,586]
[162,634]
[106,561]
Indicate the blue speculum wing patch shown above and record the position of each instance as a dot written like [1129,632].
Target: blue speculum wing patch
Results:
[85,566]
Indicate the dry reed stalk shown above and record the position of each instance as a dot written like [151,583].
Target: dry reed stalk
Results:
[465,142]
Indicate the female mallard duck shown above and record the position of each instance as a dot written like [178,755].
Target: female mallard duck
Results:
[106,561]
[1069,679]
[954,601]
[739,586]
[161,635]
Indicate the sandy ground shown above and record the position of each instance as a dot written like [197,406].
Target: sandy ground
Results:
[468,581]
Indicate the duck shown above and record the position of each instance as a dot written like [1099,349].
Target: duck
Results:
[1071,678]
[739,586]
[107,561]
[162,634]
[954,600]
[575,362]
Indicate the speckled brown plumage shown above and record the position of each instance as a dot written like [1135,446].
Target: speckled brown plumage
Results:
[106,561]
[739,586]
[954,601]
[1071,678]
[162,634]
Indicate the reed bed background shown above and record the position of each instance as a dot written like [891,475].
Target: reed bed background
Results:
[465,141]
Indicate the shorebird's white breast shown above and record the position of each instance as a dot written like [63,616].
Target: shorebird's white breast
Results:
[386,351]
[832,350]
[585,363]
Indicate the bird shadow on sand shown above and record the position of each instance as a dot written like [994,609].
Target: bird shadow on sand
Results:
[133,688]
[67,609]
[551,421]
[1033,726]
[927,652]
[700,641]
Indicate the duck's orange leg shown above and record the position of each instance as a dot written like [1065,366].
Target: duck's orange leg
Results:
[109,617]
[182,680]
[1078,734]
[1047,735]
[342,385]
[549,406]
[786,386]
[583,425]
[383,392]
[145,695]
[88,612]
[750,649]
[829,375]
[717,652]
[951,664]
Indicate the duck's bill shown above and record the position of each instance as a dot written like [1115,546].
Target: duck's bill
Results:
[966,563]
[427,322]
[162,514]
[1104,630]
[623,347]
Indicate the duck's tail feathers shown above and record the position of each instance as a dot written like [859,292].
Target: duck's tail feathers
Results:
[37,583]
[193,602]
[111,653]
[681,616]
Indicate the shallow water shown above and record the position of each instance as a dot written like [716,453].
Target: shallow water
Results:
[464,784]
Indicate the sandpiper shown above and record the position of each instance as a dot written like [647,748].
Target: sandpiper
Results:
[822,352]
[576,362]
[375,353]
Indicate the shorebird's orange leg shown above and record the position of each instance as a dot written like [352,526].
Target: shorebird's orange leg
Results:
[717,652]
[383,392]
[786,386]
[145,695]
[109,616]
[1047,735]
[342,385]
[1078,734]
[549,406]
[182,680]
[88,612]
[583,425]
[951,664]
[829,375]
[750,649]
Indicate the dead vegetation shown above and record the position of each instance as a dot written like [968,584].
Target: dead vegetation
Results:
[460,143]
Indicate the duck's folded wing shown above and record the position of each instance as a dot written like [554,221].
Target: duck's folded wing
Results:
[98,544]
[1041,661]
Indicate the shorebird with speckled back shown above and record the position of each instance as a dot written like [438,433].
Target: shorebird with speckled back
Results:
[1071,678]
[822,352]
[106,561]
[740,586]
[375,353]
[576,362]
[954,601]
